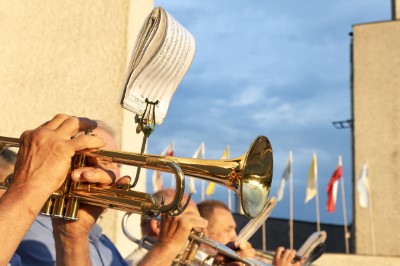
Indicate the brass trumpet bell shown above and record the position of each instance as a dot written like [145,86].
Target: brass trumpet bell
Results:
[250,176]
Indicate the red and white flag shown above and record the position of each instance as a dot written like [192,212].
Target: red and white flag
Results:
[332,187]
[157,176]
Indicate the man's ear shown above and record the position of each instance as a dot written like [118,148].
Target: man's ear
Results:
[155,227]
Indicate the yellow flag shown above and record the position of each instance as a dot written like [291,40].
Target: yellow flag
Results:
[311,190]
[211,185]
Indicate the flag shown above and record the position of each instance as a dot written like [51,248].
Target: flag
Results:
[198,154]
[333,186]
[157,178]
[211,185]
[285,176]
[311,190]
[363,187]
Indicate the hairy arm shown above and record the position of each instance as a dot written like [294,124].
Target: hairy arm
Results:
[43,161]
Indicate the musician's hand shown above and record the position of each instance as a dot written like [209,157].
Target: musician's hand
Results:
[173,234]
[45,153]
[71,237]
[244,250]
[175,230]
[87,214]
[43,161]
[284,257]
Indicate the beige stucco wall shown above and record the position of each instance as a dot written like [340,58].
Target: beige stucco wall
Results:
[396,9]
[377,135]
[351,260]
[69,57]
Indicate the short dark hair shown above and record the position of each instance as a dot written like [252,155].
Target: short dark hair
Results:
[207,207]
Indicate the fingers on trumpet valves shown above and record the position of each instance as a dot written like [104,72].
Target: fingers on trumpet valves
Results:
[94,175]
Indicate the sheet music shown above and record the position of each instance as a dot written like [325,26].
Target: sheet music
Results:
[161,77]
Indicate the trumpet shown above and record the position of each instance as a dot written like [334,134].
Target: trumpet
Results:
[250,176]
[310,250]
[189,256]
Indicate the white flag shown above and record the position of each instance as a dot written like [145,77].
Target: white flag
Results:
[363,187]
[198,154]
[285,176]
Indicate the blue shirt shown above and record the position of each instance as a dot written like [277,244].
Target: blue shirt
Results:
[15,261]
[38,246]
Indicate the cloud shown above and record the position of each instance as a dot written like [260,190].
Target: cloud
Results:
[249,96]
[274,68]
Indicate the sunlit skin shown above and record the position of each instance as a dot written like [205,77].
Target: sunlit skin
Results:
[44,157]
[221,226]
[72,237]
[172,233]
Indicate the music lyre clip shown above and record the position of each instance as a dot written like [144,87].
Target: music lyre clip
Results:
[146,124]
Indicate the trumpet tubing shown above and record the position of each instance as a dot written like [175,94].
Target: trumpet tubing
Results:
[250,176]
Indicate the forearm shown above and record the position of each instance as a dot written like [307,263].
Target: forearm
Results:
[159,255]
[19,207]
[71,251]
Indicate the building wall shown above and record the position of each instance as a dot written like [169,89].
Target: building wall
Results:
[69,57]
[376,106]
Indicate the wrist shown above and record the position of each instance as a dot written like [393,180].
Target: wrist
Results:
[69,230]
[29,199]
[37,190]
[71,249]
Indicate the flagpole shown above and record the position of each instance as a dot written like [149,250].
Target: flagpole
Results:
[264,237]
[317,205]
[371,221]
[372,226]
[291,203]
[346,234]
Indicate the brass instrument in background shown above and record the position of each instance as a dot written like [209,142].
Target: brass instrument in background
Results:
[189,256]
[250,176]
[310,251]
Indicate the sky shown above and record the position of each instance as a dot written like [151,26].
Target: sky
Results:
[275,68]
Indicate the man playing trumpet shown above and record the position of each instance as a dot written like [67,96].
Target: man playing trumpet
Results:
[42,164]
[164,233]
[222,228]
[43,161]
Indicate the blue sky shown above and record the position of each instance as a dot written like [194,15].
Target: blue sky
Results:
[274,68]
